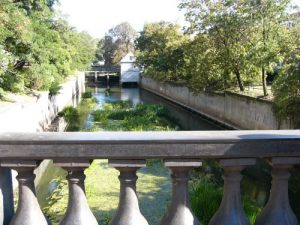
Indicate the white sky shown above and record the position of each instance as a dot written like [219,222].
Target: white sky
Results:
[98,16]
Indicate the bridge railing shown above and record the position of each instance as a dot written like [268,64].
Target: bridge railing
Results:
[127,152]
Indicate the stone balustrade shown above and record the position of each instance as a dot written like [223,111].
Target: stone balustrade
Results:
[127,152]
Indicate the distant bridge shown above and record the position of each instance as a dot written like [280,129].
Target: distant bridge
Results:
[96,74]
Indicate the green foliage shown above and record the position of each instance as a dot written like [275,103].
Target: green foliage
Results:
[286,90]
[227,44]
[87,94]
[205,199]
[54,89]
[201,68]
[56,196]
[106,218]
[252,208]
[122,115]
[76,117]
[118,42]
[70,113]
[38,49]
[232,42]
[160,50]
[107,92]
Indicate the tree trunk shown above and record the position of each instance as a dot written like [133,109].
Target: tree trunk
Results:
[239,80]
[264,81]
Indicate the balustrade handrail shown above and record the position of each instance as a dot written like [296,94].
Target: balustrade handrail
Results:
[144,145]
[127,152]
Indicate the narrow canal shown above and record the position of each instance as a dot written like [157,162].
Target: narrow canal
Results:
[185,119]
[154,183]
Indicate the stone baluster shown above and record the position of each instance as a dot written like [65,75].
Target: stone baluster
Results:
[278,210]
[128,212]
[179,212]
[78,211]
[6,196]
[28,211]
[231,211]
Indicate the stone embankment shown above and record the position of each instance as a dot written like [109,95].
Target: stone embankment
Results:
[234,110]
[35,114]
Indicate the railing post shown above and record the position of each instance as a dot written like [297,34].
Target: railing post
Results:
[78,211]
[28,211]
[179,212]
[6,196]
[278,210]
[128,212]
[231,211]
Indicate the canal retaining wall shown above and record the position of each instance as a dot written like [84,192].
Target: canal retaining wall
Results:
[234,110]
[36,114]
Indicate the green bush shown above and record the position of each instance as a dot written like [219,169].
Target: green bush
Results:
[122,115]
[286,90]
[71,115]
[205,199]
[2,92]
[56,196]
[87,94]
[54,89]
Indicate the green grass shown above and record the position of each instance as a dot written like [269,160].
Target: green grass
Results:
[102,189]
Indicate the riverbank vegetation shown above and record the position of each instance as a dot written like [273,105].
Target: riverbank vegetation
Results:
[227,46]
[38,48]
[124,116]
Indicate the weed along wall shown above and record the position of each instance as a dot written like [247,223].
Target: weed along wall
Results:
[234,110]
[36,114]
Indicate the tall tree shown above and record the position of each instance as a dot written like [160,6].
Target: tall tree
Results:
[227,24]
[124,34]
[100,50]
[121,41]
[38,49]
[160,50]
[108,50]
[268,20]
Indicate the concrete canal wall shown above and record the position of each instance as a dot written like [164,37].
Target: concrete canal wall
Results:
[37,113]
[234,110]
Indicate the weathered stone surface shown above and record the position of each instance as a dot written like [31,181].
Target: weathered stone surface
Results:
[234,110]
[278,210]
[142,145]
[128,212]
[28,211]
[179,212]
[78,211]
[231,211]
